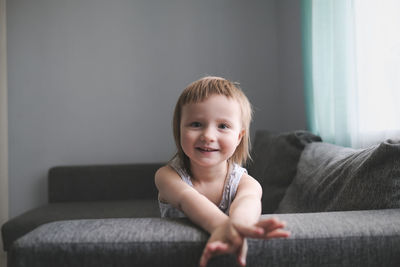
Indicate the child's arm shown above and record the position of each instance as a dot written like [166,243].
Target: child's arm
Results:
[245,212]
[246,207]
[227,235]
[196,206]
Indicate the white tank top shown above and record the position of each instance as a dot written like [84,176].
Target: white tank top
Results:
[229,193]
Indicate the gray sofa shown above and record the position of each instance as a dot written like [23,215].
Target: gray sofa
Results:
[341,205]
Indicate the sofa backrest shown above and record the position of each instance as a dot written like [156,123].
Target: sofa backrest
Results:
[275,158]
[102,182]
[335,178]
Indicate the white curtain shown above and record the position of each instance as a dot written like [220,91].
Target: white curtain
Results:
[377,24]
[352,70]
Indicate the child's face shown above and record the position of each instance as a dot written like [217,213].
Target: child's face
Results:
[211,130]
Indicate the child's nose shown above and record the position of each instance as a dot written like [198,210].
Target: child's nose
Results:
[208,135]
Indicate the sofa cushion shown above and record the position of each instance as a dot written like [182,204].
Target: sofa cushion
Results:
[318,239]
[331,178]
[26,222]
[274,164]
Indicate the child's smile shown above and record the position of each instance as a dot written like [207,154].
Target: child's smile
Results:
[206,149]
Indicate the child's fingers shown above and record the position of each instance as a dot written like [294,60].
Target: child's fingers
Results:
[273,228]
[217,246]
[212,249]
[278,233]
[271,224]
[242,254]
[250,231]
[204,259]
[270,221]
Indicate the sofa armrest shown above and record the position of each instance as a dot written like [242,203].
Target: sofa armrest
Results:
[102,182]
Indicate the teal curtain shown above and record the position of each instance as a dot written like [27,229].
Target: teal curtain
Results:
[328,53]
[351,52]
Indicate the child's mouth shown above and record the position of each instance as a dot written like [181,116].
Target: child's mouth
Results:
[206,149]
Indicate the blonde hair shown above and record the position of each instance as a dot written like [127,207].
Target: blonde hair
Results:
[201,90]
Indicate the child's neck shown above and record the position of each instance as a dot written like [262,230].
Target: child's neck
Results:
[202,174]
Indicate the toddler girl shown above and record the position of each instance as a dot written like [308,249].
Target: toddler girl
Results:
[205,181]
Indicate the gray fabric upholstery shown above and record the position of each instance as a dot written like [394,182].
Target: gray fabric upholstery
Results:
[356,238]
[110,242]
[91,191]
[331,177]
[28,221]
[359,238]
[102,182]
[275,158]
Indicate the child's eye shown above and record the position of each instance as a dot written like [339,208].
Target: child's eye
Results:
[195,124]
[223,126]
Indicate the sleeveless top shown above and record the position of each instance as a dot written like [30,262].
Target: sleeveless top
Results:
[229,193]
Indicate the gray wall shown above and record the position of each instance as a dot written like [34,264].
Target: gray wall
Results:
[95,81]
[290,69]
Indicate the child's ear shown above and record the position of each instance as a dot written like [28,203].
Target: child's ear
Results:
[241,134]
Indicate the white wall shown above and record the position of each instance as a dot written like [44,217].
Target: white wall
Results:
[95,81]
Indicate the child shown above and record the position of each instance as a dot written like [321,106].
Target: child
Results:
[205,180]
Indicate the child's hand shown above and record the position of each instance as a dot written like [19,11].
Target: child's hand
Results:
[231,238]
[225,239]
[272,228]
